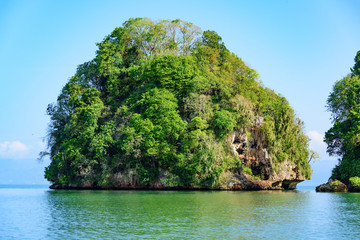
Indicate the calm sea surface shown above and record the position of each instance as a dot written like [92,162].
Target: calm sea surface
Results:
[39,213]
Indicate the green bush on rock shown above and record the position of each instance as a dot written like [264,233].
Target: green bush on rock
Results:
[335,183]
[355,181]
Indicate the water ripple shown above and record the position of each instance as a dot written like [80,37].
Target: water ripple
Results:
[46,214]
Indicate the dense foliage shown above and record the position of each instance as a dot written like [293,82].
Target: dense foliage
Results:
[343,138]
[164,97]
[355,181]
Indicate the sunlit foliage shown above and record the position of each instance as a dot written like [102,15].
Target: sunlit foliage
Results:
[343,138]
[163,96]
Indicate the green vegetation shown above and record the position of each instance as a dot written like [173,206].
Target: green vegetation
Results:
[343,138]
[247,170]
[355,181]
[163,98]
[335,183]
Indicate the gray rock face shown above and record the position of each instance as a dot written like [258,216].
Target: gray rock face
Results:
[333,186]
[252,150]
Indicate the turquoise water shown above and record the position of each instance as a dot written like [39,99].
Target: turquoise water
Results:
[39,213]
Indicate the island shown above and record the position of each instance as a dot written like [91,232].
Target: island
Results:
[343,138]
[166,106]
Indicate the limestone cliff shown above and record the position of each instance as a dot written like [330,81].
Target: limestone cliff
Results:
[265,174]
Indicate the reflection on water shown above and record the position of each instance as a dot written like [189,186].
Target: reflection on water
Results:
[46,214]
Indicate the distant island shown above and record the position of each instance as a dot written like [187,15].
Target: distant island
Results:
[343,138]
[164,105]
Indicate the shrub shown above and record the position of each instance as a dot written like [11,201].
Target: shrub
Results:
[335,183]
[247,170]
[355,181]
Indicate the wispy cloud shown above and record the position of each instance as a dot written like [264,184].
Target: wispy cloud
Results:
[317,143]
[15,149]
[317,140]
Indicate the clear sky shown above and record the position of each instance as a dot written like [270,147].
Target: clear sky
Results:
[299,47]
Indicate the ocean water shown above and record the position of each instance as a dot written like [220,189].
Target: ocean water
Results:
[39,213]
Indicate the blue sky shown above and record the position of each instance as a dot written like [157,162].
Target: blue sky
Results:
[300,48]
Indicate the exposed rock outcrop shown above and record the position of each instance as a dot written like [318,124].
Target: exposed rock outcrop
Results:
[352,188]
[251,148]
[332,186]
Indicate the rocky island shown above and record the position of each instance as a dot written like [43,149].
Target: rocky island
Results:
[164,105]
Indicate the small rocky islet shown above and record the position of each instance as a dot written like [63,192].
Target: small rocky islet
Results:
[353,185]
[165,105]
